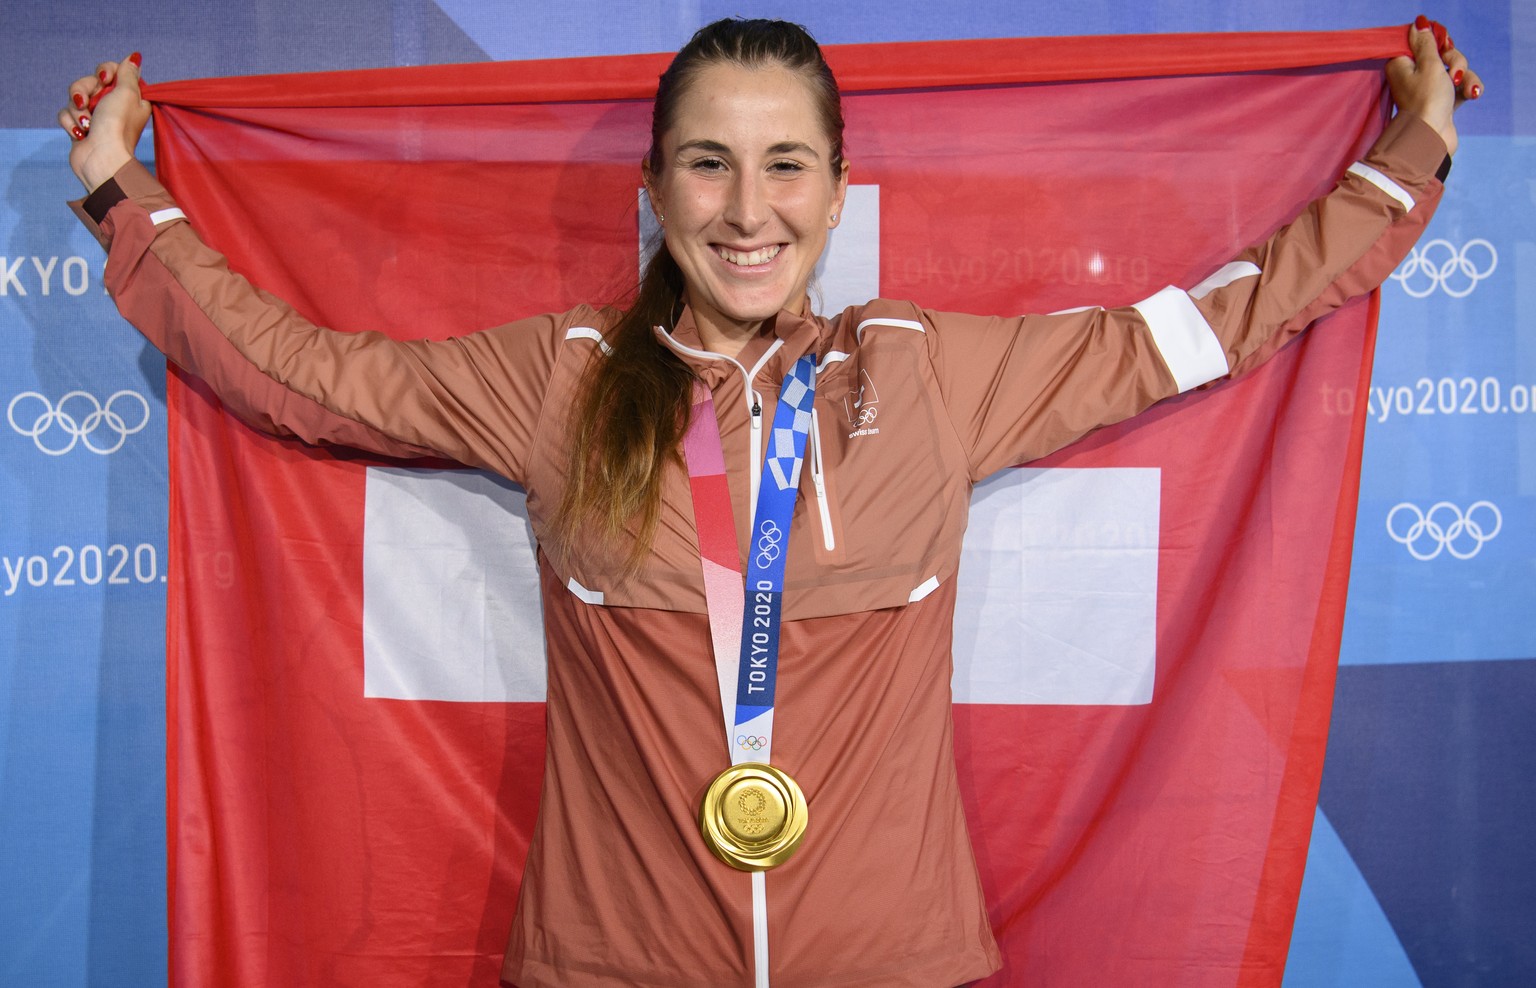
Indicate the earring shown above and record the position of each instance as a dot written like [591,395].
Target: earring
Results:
[661,218]
[834,217]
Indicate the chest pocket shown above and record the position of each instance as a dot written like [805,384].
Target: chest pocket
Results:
[885,488]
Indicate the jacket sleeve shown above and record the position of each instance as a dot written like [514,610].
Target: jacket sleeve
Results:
[474,399]
[1019,388]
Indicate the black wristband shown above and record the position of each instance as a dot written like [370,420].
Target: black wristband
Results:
[99,203]
[1444,169]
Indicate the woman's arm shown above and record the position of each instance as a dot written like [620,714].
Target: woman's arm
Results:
[474,399]
[1017,389]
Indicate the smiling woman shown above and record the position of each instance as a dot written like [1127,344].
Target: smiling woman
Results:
[747,156]
[825,842]
[746,185]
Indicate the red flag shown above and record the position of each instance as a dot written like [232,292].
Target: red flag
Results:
[323,832]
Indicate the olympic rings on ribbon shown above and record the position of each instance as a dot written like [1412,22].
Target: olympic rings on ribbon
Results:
[1424,262]
[1445,528]
[81,421]
[769,543]
[751,742]
[867,414]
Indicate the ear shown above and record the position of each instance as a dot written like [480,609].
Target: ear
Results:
[839,196]
[648,178]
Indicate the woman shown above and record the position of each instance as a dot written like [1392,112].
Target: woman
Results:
[650,862]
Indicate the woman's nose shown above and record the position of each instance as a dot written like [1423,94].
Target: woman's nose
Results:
[747,208]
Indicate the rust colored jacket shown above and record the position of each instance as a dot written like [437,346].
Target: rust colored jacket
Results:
[912,408]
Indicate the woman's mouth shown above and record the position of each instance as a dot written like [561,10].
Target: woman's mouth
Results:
[749,258]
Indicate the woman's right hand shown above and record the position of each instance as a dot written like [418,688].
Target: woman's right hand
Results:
[105,135]
[1434,81]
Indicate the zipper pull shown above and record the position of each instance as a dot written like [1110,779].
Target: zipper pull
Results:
[757,413]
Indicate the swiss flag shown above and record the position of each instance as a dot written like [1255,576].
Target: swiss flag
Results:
[1147,621]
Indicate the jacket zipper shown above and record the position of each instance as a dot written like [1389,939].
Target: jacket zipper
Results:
[754,403]
[757,445]
[748,377]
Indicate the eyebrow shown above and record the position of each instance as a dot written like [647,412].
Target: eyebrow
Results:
[715,147]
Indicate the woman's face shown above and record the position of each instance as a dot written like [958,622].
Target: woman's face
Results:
[748,190]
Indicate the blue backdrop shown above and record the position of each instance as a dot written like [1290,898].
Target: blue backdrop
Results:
[1422,868]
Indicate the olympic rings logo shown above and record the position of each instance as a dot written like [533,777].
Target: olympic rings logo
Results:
[81,418]
[867,415]
[1444,528]
[770,541]
[1439,264]
[751,742]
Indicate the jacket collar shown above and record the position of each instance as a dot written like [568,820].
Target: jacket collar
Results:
[788,335]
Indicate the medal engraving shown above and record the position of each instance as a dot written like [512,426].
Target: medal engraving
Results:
[753,812]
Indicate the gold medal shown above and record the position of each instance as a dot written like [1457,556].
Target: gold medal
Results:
[753,816]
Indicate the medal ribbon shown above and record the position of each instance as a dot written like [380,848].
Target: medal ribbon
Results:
[748,626]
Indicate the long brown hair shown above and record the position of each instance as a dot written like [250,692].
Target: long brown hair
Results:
[633,409]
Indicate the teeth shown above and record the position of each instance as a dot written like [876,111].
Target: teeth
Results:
[750,258]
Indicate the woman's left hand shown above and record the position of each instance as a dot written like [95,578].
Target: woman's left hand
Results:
[1433,82]
[106,115]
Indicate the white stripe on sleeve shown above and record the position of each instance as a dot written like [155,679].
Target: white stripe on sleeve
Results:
[1184,339]
[1223,277]
[160,216]
[588,333]
[1383,183]
[858,333]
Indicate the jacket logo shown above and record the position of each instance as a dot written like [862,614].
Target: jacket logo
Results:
[860,404]
[861,407]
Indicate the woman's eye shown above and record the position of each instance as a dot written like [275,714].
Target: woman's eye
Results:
[786,167]
[709,165]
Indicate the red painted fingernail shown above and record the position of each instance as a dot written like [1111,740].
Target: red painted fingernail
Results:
[79,134]
[102,75]
[79,102]
[85,122]
[1421,22]
[136,59]
[1456,79]
[1477,91]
